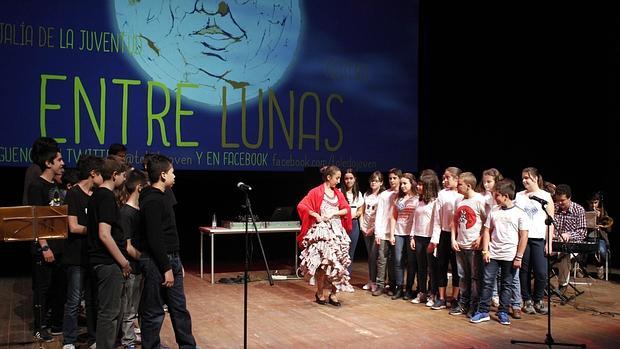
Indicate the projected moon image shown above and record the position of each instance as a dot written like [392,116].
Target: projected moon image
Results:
[212,44]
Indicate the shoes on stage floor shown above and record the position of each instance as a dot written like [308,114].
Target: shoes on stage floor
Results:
[334,301]
[319,300]
[540,307]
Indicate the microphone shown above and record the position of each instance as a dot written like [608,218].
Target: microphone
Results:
[543,202]
[243,186]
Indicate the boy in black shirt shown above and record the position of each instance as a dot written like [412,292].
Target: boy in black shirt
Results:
[107,252]
[48,276]
[160,261]
[75,258]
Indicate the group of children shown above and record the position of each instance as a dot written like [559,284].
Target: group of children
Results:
[490,235]
[122,251]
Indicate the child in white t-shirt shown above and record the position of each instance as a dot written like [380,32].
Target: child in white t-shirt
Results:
[466,228]
[503,244]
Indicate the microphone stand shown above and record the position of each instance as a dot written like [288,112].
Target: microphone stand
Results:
[250,215]
[549,341]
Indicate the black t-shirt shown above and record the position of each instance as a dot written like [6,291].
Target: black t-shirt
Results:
[102,209]
[130,224]
[44,193]
[76,247]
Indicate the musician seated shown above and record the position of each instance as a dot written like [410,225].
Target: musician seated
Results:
[570,218]
[602,228]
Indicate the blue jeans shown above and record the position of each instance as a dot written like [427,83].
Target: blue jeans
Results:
[75,282]
[515,299]
[154,296]
[533,260]
[404,254]
[490,274]
[354,236]
[469,263]
[129,306]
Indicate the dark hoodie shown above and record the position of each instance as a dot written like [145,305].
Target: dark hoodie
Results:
[159,230]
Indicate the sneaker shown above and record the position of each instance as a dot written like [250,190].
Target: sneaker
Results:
[130,346]
[312,281]
[93,346]
[68,346]
[367,286]
[439,304]
[540,307]
[516,313]
[528,307]
[430,301]
[457,310]
[479,317]
[600,272]
[43,335]
[420,298]
[56,331]
[502,317]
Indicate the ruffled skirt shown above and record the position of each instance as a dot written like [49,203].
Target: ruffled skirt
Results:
[326,246]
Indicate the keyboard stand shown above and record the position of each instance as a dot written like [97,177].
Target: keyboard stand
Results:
[560,292]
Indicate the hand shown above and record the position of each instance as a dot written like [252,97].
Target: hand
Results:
[455,246]
[566,236]
[412,243]
[326,218]
[168,279]
[377,241]
[393,240]
[48,256]
[516,263]
[126,269]
[370,231]
[486,258]
[476,244]
[431,247]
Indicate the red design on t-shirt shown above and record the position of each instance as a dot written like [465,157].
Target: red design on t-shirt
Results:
[465,215]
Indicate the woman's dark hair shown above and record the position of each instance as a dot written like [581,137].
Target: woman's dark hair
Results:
[414,184]
[379,176]
[430,187]
[329,170]
[355,189]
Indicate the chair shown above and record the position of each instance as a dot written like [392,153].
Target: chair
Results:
[593,236]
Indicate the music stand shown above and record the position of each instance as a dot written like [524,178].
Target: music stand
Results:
[549,341]
[32,223]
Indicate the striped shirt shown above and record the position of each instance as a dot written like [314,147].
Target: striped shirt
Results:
[571,221]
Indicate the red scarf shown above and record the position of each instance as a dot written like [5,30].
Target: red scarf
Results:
[312,202]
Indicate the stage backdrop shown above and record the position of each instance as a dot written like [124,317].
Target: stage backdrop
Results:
[274,85]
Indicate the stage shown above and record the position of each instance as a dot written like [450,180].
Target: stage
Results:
[285,316]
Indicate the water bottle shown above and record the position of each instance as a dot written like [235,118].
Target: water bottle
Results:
[214,222]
